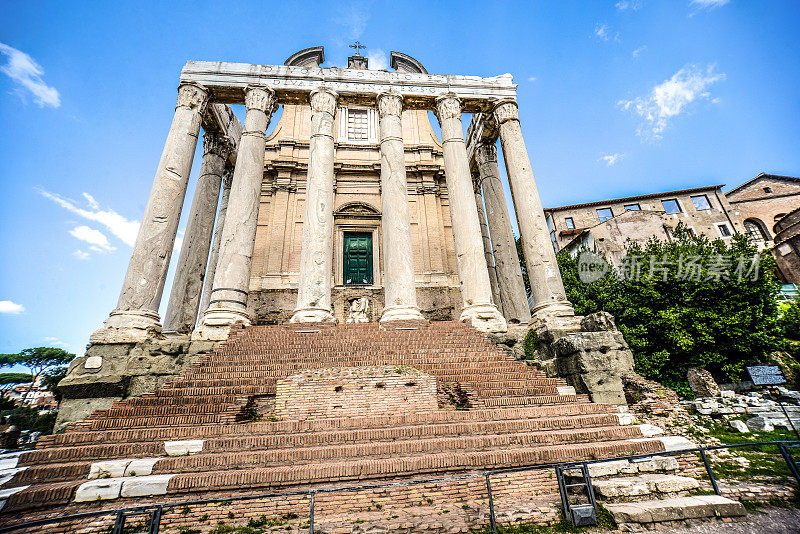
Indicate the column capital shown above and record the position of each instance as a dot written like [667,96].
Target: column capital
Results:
[447,107]
[227,178]
[324,99]
[217,144]
[259,97]
[506,110]
[485,153]
[390,103]
[192,96]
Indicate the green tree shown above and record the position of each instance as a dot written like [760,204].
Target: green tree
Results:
[704,305]
[37,360]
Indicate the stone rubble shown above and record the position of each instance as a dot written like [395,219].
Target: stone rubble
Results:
[762,413]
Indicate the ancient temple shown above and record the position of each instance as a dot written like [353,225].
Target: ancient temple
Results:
[262,377]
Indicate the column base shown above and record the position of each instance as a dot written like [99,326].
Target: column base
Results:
[312,315]
[128,326]
[216,324]
[553,313]
[484,317]
[402,312]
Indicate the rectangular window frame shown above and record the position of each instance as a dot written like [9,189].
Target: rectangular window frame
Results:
[569,222]
[629,207]
[701,197]
[677,205]
[601,218]
[720,226]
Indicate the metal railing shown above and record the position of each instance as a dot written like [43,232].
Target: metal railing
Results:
[155,510]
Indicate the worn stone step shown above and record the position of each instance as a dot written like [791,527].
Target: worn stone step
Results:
[643,484]
[675,509]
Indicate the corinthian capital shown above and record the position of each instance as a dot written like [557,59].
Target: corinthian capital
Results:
[220,145]
[390,104]
[259,97]
[485,152]
[324,99]
[506,110]
[192,96]
[447,107]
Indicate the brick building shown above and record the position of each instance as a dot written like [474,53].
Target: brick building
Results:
[606,225]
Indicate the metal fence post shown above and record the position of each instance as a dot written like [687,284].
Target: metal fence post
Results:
[313,495]
[787,456]
[119,523]
[492,520]
[155,520]
[709,471]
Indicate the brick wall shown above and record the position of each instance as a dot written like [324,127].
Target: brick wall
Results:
[352,391]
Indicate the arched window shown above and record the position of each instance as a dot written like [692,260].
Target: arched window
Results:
[755,233]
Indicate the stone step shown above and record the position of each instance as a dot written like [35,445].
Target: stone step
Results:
[675,509]
[644,484]
[654,464]
[276,441]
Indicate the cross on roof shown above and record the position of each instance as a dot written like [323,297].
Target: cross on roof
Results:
[358,46]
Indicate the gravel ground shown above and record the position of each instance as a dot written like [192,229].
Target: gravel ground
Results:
[767,521]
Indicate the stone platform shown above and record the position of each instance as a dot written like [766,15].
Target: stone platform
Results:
[250,417]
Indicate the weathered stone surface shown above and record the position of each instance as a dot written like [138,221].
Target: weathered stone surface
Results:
[99,490]
[187,286]
[739,426]
[476,291]
[702,383]
[507,266]
[399,285]
[183,447]
[71,410]
[140,467]
[649,431]
[136,316]
[546,285]
[109,468]
[146,485]
[598,322]
[760,424]
[213,258]
[675,508]
[228,301]
[316,255]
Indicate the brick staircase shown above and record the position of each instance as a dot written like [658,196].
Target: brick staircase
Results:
[213,432]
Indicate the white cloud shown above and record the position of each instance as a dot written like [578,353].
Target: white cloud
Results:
[8,307]
[377,59]
[118,225]
[700,5]
[27,74]
[670,98]
[55,342]
[611,159]
[603,32]
[96,238]
[638,51]
[634,5]
[532,78]
[176,248]
[353,17]
[81,255]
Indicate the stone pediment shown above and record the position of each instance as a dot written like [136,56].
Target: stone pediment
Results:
[357,209]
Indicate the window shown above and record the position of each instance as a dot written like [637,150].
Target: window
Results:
[357,125]
[755,234]
[671,206]
[632,207]
[604,214]
[701,202]
[768,189]
[723,230]
[570,223]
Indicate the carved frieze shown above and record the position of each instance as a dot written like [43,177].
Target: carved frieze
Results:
[485,153]
[448,107]
[219,145]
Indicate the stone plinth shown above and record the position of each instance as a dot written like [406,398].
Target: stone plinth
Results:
[354,391]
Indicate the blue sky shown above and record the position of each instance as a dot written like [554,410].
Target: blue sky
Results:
[616,98]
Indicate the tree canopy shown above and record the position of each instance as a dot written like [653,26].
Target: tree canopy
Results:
[690,302]
[37,359]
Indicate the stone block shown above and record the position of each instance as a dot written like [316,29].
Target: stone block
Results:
[183,447]
[738,426]
[145,485]
[140,467]
[93,362]
[108,469]
[71,410]
[759,424]
[598,322]
[565,390]
[626,418]
[702,383]
[656,463]
[99,490]
[649,431]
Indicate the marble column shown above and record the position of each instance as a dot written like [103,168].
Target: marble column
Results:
[399,288]
[476,291]
[546,285]
[227,180]
[506,259]
[316,254]
[187,286]
[487,246]
[136,316]
[228,302]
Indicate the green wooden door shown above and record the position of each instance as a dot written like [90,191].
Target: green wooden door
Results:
[358,258]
